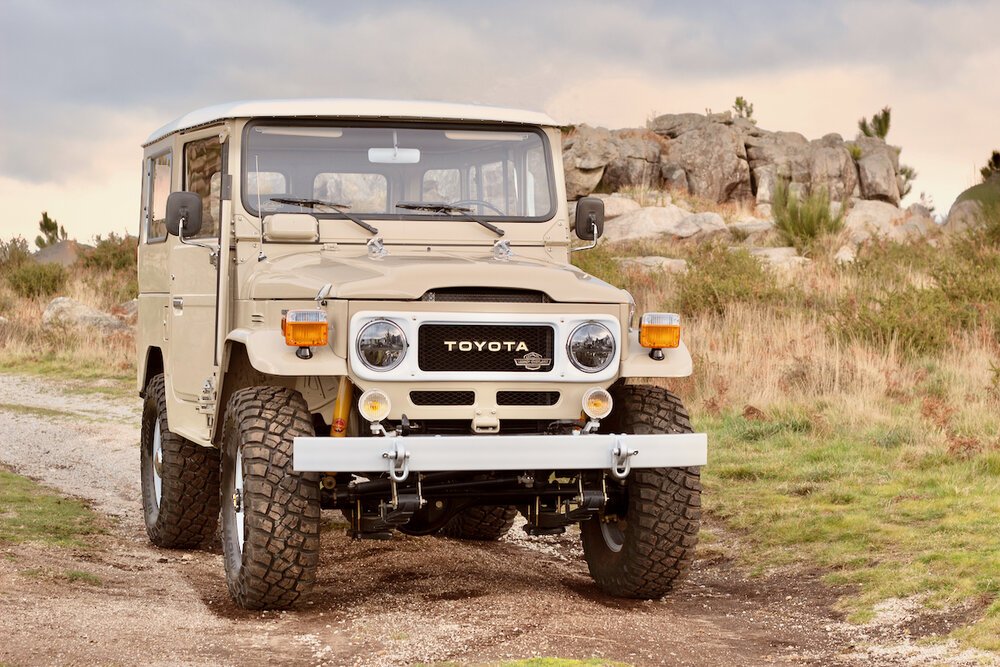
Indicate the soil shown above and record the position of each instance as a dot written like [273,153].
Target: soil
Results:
[404,601]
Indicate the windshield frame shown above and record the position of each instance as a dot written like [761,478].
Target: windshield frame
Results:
[249,203]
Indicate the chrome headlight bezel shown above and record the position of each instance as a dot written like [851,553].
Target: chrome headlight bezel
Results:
[582,330]
[400,352]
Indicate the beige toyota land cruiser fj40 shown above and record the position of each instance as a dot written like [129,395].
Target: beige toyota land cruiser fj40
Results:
[369,306]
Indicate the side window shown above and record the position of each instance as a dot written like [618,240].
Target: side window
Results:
[441,185]
[364,193]
[203,176]
[156,203]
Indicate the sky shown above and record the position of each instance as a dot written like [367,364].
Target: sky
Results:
[83,84]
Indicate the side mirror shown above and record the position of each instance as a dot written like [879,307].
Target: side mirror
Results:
[183,207]
[589,214]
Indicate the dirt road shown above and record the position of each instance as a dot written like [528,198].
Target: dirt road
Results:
[411,600]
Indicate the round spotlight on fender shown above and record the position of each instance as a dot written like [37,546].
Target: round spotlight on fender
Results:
[597,403]
[374,405]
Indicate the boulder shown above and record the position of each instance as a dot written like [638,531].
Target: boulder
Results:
[878,167]
[871,219]
[713,159]
[65,253]
[709,224]
[634,161]
[751,229]
[586,152]
[649,222]
[782,259]
[656,263]
[66,311]
[963,215]
[616,205]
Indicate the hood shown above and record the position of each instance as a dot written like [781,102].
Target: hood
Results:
[409,276]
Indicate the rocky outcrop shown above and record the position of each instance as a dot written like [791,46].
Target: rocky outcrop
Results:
[722,158]
[65,311]
[594,156]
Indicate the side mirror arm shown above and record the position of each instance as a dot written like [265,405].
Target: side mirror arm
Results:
[213,255]
[593,230]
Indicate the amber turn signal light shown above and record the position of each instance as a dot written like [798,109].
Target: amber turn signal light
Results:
[305,328]
[660,330]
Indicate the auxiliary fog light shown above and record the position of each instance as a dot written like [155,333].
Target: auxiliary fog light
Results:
[374,405]
[597,403]
[660,330]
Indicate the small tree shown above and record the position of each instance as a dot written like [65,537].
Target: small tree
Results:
[744,109]
[992,166]
[879,125]
[52,232]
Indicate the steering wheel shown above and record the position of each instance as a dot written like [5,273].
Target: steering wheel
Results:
[478,202]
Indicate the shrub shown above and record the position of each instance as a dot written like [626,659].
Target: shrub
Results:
[115,253]
[915,320]
[718,277]
[802,222]
[13,253]
[32,280]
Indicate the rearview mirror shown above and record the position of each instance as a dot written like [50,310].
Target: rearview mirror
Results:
[589,220]
[183,207]
[394,155]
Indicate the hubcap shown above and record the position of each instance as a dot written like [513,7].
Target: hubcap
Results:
[157,462]
[613,532]
[238,504]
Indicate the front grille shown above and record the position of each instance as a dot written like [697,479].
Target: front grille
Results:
[443,397]
[486,294]
[466,347]
[525,398]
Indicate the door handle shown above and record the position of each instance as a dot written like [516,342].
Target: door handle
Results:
[178,303]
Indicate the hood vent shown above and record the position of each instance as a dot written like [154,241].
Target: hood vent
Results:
[486,294]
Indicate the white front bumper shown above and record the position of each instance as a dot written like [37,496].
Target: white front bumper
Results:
[497,452]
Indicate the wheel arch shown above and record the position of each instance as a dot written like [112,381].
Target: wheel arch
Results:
[152,365]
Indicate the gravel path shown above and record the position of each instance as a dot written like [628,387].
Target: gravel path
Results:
[400,602]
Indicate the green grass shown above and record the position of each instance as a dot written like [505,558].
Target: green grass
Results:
[885,507]
[35,411]
[79,576]
[65,367]
[31,513]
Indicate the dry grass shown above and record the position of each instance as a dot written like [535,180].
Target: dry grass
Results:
[27,345]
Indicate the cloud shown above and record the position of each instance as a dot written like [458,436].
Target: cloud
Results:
[83,85]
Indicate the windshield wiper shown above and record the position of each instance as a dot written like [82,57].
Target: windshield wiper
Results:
[448,209]
[337,207]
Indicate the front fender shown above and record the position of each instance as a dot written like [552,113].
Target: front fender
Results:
[676,362]
[268,353]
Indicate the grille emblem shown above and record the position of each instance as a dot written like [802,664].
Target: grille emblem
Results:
[532,362]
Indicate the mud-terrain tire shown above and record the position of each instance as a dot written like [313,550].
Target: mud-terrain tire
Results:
[487,523]
[180,504]
[271,542]
[648,553]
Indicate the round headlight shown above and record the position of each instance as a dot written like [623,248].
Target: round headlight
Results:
[591,347]
[381,345]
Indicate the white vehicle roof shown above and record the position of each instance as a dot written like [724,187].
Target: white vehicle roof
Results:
[349,108]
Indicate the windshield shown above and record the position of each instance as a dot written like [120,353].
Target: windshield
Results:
[380,172]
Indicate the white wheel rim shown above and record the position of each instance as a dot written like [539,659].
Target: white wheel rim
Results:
[612,533]
[157,463]
[238,493]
